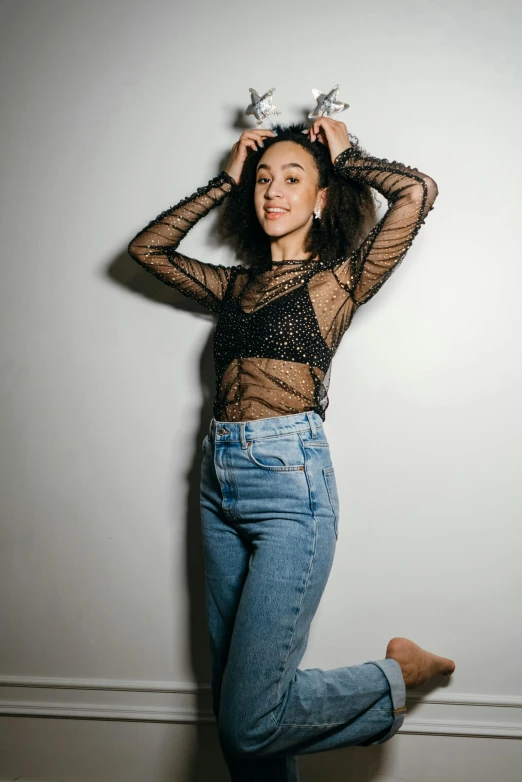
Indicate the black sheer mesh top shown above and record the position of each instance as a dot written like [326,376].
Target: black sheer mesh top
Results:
[278,329]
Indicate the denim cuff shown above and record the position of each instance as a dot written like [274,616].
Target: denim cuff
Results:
[392,671]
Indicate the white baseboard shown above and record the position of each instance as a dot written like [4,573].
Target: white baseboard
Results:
[443,713]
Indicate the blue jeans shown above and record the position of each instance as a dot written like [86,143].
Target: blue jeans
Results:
[270,515]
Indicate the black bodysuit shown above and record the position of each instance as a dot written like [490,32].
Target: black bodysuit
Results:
[278,329]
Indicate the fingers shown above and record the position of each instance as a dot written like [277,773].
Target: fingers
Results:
[315,134]
[253,137]
[320,128]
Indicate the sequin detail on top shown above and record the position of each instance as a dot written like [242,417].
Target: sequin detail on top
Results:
[278,329]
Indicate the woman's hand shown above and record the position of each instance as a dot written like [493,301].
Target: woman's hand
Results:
[249,138]
[331,132]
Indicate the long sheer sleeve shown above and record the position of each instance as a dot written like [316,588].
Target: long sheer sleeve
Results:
[155,246]
[410,195]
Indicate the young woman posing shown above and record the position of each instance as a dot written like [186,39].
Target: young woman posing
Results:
[299,210]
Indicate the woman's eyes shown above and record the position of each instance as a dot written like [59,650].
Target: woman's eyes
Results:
[259,181]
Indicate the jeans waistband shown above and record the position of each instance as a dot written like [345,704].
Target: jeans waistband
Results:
[242,431]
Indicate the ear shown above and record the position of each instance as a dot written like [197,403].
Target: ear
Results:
[321,198]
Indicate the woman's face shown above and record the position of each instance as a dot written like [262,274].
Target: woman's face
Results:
[286,178]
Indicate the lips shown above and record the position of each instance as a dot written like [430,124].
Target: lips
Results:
[274,215]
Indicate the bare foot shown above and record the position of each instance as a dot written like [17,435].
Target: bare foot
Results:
[417,665]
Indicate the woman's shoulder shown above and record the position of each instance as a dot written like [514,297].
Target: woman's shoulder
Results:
[239,269]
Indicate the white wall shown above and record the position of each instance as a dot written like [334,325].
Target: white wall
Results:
[111,112]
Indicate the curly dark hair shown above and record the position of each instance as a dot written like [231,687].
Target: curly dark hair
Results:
[348,215]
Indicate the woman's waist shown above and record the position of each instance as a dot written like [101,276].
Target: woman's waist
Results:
[273,426]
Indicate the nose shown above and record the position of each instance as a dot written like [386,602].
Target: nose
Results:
[273,189]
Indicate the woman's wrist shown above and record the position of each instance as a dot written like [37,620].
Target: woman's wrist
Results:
[229,178]
[347,152]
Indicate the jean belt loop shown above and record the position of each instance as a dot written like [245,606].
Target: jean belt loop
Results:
[242,425]
[311,421]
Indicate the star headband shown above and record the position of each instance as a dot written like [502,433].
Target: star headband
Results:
[261,106]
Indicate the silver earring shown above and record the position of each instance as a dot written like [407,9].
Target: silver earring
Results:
[317,213]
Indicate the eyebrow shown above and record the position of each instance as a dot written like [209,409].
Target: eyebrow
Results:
[287,165]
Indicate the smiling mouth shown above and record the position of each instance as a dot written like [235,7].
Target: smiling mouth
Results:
[275,215]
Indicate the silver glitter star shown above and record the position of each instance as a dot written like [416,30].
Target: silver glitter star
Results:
[261,106]
[327,105]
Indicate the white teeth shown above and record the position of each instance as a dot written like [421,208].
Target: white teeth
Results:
[274,209]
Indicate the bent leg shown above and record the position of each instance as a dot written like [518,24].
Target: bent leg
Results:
[270,707]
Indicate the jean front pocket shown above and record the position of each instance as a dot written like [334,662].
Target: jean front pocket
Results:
[331,487]
[281,453]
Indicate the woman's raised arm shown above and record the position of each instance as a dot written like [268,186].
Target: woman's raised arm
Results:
[410,195]
[155,246]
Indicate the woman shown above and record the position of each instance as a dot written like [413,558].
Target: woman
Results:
[299,210]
